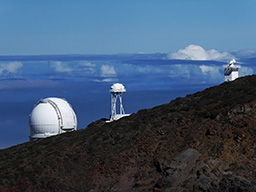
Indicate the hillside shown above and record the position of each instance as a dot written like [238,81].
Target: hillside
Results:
[203,142]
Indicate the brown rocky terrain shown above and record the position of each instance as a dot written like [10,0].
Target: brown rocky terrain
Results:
[203,142]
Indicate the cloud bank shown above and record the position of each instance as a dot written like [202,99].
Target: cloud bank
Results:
[11,67]
[87,66]
[60,67]
[196,52]
[245,71]
[149,73]
[107,71]
[245,53]
[70,67]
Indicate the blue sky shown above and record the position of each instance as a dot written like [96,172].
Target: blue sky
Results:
[106,27]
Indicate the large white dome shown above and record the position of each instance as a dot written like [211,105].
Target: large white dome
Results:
[51,116]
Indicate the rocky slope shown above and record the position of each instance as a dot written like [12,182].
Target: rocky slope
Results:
[203,142]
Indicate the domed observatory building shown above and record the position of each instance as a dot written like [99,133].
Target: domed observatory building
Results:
[51,116]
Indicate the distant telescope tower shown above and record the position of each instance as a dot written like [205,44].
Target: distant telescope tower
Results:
[117,91]
[231,71]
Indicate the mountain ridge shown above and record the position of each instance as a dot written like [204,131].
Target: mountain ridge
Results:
[202,142]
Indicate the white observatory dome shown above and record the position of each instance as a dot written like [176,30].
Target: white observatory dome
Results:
[51,116]
[117,88]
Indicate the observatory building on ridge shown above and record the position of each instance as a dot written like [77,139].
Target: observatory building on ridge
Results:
[51,116]
[117,91]
[231,71]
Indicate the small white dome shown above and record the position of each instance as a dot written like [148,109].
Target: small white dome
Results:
[51,116]
[117,88]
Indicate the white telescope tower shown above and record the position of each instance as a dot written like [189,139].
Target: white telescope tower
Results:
[231,71]
[117,91]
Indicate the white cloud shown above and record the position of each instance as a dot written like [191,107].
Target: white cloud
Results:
[196,52]
[212,72]
[106,80]
[68,67]
[87,66]
[109,80]
[107,71]
[11,67]
[246,53]
[245,71]
[61,67]
[206,69]
[179,70]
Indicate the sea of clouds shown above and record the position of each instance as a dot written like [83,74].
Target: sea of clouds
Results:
[84,80]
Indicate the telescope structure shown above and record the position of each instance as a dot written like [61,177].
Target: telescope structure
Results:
[231,71]
[117,91]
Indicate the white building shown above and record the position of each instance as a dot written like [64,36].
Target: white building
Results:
[117,91]
[51,116]
[231,71]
